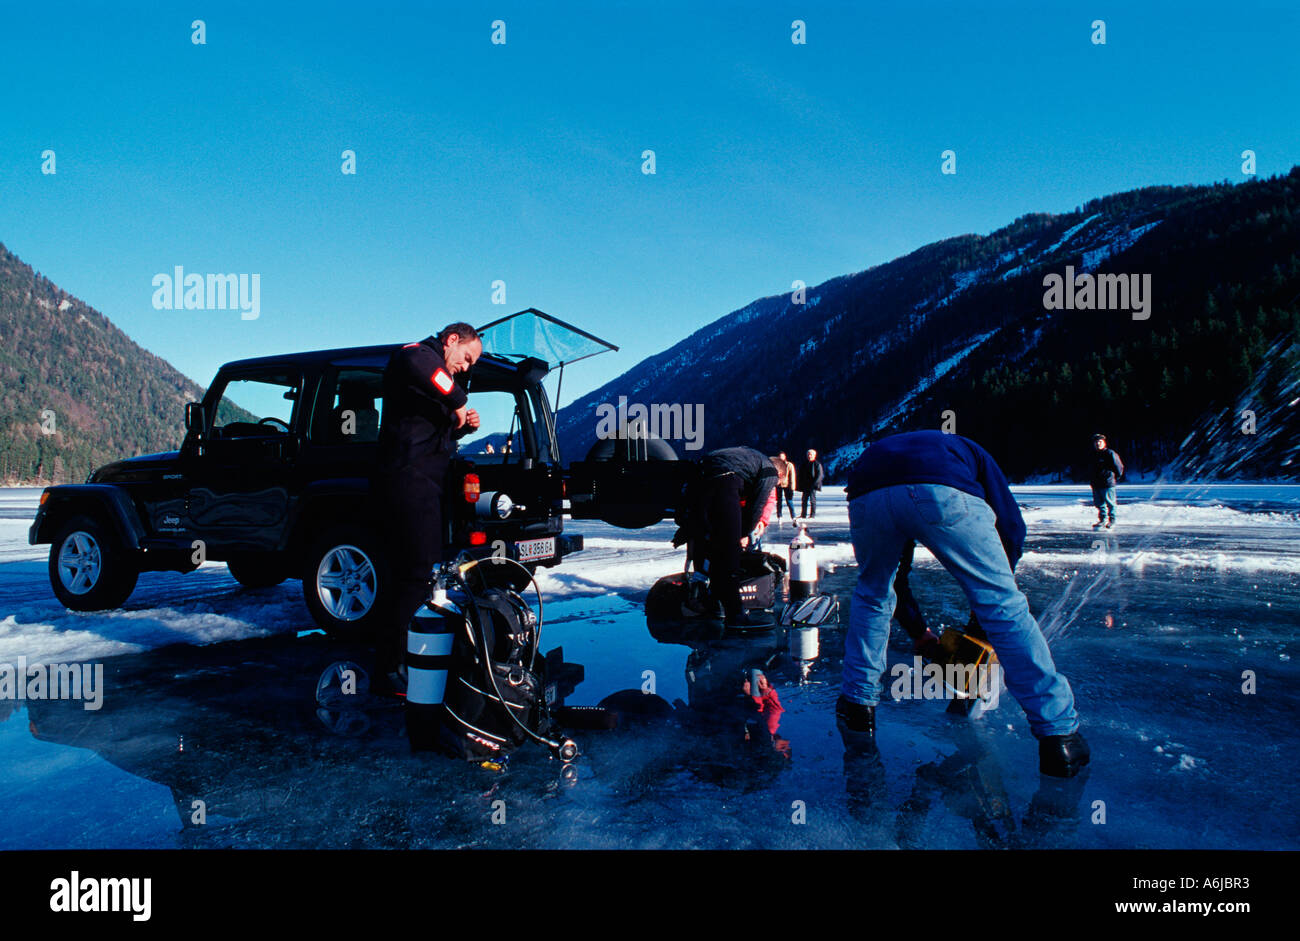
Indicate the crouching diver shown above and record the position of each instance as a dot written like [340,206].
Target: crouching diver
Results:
[730,503]
[948,493]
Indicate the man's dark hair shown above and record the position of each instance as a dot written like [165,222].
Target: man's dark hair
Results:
[466,333]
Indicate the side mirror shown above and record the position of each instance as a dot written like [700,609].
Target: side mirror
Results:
[195,419]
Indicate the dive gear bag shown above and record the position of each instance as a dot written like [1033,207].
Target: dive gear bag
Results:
[683,595]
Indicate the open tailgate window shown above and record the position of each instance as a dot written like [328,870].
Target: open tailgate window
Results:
[541,336]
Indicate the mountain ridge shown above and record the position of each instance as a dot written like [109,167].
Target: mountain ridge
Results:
[959,325]
[75,390]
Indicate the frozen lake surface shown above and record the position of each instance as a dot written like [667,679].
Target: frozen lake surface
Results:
[1157,624]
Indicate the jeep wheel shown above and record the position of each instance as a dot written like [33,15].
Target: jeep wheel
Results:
[343,576]
[254,572]
[90,570]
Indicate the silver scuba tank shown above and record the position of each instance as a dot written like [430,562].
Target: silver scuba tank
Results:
[803,562]
[429,642]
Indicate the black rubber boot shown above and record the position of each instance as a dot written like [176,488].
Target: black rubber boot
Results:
[1062,756]
[855,717]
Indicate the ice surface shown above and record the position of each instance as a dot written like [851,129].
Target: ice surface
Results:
[1157,624]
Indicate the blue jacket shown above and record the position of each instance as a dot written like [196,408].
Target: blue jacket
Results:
[933,457]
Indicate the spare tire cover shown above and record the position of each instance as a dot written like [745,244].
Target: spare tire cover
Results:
[657,449]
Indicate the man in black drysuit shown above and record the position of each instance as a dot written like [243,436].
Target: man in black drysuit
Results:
[425,410]
[733,499]
[808,480]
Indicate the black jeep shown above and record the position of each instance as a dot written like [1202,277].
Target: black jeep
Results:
[283,491]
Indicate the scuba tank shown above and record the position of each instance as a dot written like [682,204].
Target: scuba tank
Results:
[429,641]
[803,562]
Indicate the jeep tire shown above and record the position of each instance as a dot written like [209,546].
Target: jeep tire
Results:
[346,582]
[90,569]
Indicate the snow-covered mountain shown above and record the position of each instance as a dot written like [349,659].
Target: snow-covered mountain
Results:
[963,326]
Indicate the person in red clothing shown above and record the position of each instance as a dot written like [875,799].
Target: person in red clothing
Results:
[766,701]
[761,695]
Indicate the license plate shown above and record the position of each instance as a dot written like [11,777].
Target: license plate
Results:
[532,549]
[550,694]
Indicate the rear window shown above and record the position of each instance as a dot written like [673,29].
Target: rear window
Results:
[502,435]
[350,406]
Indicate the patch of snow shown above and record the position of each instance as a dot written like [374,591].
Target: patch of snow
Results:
[937,373]
[1091,259]
[964,279]
[1069,234]
[961,281]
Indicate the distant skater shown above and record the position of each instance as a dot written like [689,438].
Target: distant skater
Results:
[1107,469]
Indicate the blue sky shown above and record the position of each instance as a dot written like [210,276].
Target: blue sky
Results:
[522,162]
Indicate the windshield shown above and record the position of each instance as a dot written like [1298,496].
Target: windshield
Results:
[252,400]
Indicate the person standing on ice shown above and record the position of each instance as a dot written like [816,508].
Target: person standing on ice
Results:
[784,483]
[425,411]
[811,474]
[730,502]
[1107,469]
[948,494]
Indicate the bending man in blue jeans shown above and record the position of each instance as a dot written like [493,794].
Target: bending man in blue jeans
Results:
[948,493]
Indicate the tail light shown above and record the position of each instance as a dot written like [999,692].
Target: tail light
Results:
[477,538]
[472,488]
